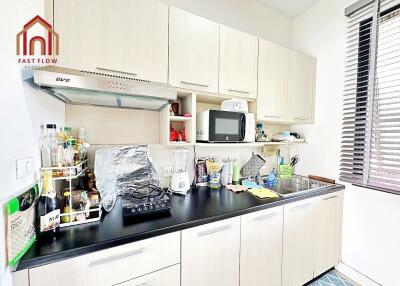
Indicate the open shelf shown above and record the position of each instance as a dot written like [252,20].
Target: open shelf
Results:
[181,124]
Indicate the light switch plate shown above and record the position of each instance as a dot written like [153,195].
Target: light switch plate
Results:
[25,167]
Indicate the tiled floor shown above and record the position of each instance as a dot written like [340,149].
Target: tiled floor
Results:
[332,278]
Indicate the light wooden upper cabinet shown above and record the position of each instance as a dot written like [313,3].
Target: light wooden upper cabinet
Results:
[128,36]
[261,248]
[238,63]
[328,232]
[301,87]
[80,26]
[273,72]
[210,254]
[286,85]
[136,38]
[193,51]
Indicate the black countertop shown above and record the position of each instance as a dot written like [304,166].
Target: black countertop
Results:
[200,207]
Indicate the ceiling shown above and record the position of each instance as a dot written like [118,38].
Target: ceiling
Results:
[291,8]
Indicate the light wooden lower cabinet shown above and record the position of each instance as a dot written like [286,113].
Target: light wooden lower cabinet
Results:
[261,248]
[210,254]
[311,238]
[298,243]
[282,246]
[328,234]
[111,266]
[169,276]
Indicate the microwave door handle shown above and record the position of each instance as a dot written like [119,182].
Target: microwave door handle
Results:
[242,126]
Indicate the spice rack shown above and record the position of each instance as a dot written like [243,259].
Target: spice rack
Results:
[70,218]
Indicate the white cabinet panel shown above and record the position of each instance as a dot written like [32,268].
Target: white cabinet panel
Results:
[210,254]
[301,87]
[80,27]
[238,63]
[298,243]
[167,277]
[328,232]
[100,268]
[136,38]
[128,36]
[193,51]
[273,72]
[261,248]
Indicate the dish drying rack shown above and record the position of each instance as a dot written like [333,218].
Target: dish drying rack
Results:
[76,172]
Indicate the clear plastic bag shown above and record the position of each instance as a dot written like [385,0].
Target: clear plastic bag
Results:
[119,169]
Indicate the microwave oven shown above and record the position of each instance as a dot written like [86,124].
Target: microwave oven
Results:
[225,126]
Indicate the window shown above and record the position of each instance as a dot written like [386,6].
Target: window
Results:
[370,153]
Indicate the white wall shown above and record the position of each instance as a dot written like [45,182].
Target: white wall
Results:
[21,109]
[250,16]
[371,231]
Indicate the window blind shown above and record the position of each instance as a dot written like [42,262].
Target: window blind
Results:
[370,150]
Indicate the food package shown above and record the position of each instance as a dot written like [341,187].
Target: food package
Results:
[119,169]
[20,225]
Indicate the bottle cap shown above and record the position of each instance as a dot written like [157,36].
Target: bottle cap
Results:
[51,126]
[66,194]
[67,129]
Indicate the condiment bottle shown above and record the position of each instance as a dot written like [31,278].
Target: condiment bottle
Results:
[66,207]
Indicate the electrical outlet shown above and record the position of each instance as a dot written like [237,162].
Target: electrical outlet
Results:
[167,171]
[24,167]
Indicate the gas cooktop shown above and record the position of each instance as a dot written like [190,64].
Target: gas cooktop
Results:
[145,200]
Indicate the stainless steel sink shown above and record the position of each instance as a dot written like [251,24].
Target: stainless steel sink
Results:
[297,185]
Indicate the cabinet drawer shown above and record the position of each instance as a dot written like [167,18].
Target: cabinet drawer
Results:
[111,266]
[167,277]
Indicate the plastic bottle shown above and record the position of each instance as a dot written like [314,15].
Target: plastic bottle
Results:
[236,173]
[230,174]
[225,174]
[44,148]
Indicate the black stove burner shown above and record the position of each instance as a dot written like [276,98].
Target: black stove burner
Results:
[144,200]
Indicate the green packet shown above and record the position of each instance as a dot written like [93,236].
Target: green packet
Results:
[20,224]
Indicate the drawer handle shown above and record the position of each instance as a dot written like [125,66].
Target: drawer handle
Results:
[264,217]
[326,199]
[117,257]
[303,206]
[214,230]
[238,90]
[194,83]
[112,70]
[272,116]
[300,118]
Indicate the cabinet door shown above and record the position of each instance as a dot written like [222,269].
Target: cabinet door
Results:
[210,254]
[238,63]
[328,232]
[80,26]
[301,87]
[136,38]
[167,277]
[298,243]
[193,51]
[261,248]
[99,268]
[273,64]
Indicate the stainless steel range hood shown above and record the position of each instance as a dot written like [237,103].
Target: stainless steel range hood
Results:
[103,89]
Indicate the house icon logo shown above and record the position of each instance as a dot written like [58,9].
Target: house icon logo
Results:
[27,43]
